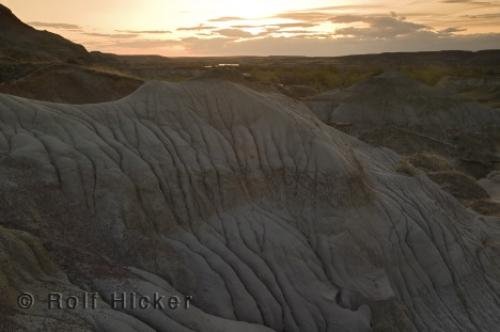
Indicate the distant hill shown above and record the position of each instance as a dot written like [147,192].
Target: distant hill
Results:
[45,66]
[446,57]
[20,42]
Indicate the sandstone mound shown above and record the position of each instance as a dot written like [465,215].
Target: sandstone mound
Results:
[268,218]
[395,111]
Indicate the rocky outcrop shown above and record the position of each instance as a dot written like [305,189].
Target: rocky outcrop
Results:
[268,218]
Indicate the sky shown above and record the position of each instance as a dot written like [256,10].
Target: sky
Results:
[266,27]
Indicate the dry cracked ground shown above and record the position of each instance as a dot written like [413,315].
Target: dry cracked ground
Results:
[249,204]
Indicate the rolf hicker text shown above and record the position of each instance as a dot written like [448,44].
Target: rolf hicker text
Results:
[119,301]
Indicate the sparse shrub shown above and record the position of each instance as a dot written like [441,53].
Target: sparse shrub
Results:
[459,184]
[317,77]
[405,166]
[430,162]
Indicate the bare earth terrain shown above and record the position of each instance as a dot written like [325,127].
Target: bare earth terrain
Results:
[350,194]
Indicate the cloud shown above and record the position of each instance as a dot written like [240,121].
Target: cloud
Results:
[344,7]
[279,28]
[378,26]
[359,29]
[226,19]
[294,25]
[363,34]
[315,16]
[472,2]
[247,26]
[336,46]
[197,28]
[452,30]
[234,33]
[144,44]
[275,26]
[111,35]
[237,32]
[322,14]
[315,35]
[484,16]
[144,31]
[368,34]
[62,26]
[303,32]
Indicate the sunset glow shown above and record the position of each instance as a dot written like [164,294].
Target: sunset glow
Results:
[260,27]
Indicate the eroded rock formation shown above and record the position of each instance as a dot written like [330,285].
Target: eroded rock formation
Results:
[395,111]
[270,219]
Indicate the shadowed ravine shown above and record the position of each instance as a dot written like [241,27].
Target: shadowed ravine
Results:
[270,219]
